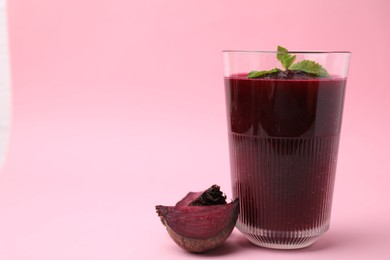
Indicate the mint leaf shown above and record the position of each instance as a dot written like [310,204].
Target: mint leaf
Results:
[311,67]
[284,57]
[258,74]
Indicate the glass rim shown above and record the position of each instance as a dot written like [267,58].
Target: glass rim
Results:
[291,52]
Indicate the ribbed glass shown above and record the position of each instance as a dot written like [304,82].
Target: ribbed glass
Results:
[285,186]
[284,131]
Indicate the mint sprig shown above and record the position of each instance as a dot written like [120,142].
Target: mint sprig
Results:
[287,61]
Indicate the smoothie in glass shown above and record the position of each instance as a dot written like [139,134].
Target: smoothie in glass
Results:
[284,132]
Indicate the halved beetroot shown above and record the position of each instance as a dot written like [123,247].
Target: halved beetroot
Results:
[200,228]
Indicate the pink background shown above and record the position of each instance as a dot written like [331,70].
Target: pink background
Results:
[118,106]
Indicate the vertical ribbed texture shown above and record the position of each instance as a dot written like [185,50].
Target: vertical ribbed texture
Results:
[285,187]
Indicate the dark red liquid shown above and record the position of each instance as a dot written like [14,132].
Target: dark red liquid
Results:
[283,137]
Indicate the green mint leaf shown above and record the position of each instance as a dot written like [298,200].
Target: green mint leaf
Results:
[284,57]
[311,67]
[258,74]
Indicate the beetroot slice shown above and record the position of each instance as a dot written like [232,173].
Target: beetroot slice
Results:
[199,221]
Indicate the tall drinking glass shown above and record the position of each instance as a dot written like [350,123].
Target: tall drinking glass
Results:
[284,132]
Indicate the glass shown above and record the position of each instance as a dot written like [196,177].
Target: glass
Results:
[5,90]
[283,143]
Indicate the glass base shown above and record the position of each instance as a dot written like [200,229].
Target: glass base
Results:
[281,239]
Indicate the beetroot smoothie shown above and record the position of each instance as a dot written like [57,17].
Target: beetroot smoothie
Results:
[283,138]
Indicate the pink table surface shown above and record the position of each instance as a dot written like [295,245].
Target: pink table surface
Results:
[112,115]
[87,190]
